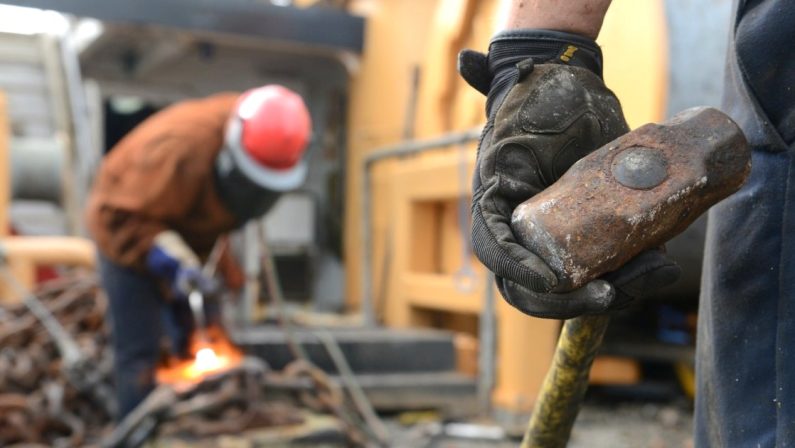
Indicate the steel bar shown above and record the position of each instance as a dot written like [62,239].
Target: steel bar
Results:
[298,352]
[355,390]
[487,346]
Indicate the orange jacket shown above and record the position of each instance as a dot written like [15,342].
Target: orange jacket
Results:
[159,177]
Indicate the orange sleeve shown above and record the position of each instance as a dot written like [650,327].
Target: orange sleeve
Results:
[160,180]
[155,178]
[145,193]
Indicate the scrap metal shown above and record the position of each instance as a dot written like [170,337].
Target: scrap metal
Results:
[228,402]
[42,405]
[40,402]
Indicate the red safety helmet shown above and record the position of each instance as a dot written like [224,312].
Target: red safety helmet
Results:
[275,126]
[263,155]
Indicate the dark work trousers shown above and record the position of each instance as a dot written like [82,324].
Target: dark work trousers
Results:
[139,315]
[745,357]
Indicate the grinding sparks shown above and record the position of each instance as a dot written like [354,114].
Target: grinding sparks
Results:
[206,359]
[214,355]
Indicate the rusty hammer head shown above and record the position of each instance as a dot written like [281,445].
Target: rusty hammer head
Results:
[633,194]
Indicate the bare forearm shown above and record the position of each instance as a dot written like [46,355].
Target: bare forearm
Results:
[582,17]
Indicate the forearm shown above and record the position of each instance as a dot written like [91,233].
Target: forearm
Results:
[583,17]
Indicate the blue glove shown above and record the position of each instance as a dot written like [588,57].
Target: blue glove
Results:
[191,278]
[171,259]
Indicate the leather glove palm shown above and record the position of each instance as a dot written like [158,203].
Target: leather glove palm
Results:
[547,107]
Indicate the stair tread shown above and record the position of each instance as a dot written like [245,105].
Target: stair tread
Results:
[274,333]
[367,350]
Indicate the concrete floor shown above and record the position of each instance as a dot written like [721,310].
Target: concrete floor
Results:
[632,425]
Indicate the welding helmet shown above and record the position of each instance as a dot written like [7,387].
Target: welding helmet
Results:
[264,146]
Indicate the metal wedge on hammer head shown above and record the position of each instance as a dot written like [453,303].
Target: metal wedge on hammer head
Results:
[633,194]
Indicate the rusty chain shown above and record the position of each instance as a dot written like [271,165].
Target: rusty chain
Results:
[40,407]
[38,403]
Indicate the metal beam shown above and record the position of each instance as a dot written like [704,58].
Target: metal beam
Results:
[320,27]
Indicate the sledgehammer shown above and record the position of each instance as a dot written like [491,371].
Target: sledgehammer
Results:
[631,195]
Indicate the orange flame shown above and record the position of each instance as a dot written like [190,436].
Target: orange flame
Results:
[211,355]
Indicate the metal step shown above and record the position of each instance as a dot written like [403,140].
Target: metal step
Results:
[368,351]
[453,394]
[398,369]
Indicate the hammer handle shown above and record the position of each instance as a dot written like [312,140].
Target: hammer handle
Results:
[564,387]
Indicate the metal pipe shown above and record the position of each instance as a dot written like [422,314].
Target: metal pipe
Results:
[299,353]
[487,344]
[5,174]
[23,253]
[418,146]
[389,152]
[49,250]
[348,379]
[250,308]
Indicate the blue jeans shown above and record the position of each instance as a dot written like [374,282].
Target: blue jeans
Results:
[139,315]
[745,364]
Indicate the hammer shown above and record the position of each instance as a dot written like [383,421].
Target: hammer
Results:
[631,195]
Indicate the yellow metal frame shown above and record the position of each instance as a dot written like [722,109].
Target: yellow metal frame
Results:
[422,279]
[24,254]
[413,213]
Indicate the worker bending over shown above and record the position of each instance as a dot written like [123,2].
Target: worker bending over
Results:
[166,192]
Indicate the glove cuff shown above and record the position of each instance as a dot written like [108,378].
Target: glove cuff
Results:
[509,47]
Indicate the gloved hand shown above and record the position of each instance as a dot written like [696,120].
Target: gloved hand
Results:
[547,107]
[171,259]
[191,278]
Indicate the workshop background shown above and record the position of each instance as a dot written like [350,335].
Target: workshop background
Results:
[377,285]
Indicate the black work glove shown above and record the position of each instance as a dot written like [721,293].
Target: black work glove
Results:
[547,107]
